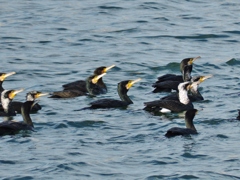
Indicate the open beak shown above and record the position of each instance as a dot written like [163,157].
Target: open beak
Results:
[193,59]
[96,78]
[14,93]
[131,82]
[108,68]
[4,76]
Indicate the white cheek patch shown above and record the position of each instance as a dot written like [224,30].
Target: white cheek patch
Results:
[164,110]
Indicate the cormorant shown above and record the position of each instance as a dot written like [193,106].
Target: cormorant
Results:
[79,88]
[168,82]
[123,88]
[95,85]
[238,114]
[180,105]
[176,131]
[12,127]
[16,105]
[194,94]
[6,98]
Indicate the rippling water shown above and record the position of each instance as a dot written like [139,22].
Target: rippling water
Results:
[50,43]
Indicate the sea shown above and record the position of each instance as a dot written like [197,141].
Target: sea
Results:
[49,43]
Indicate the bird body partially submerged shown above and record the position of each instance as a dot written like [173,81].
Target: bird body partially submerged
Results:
[238,117]
[190,128]
[123,88]
[180,105]
[194,94]
[170,82]
[12,127]
[93,85]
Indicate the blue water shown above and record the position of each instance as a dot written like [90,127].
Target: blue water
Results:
[50,43]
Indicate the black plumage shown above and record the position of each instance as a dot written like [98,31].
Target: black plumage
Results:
[170,82]
[82,87]
[194,94]
[12,127]
[238,117]
[123,88]
[31,96]
[190,128]
[180,105]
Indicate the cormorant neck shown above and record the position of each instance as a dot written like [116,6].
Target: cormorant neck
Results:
[25,111]
[1,88]
[189,122]
[101,83]
[123,95]
[186,73]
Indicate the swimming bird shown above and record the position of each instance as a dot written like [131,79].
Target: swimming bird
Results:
[194,94]
[95,85]
[123,88]
[238,114]
[168,82]
[6,98]
[32,95]
[177,131]
[13,127]
[3,76]
[165,106]
[79,88]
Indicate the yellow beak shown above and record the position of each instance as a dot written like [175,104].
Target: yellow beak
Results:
[14,93]
[40,94]
[193,59]
[203,78]
[108,68]
[131,82]
[96,78]
[4,76]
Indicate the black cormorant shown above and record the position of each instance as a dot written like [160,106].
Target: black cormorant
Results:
[168,82]
[12,127]
[165,106]
[238,114]
[123,88]
[32,95]
[6,98]
[176,131]
[79,88]
[194,94]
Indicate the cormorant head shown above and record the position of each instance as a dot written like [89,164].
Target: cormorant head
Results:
[126,85]
[3,76]
[102,70]
[32,95]
[95,78]
[196,80]
[10,94]
[187,61]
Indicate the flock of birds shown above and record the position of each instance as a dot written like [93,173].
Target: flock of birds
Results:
[185,85]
